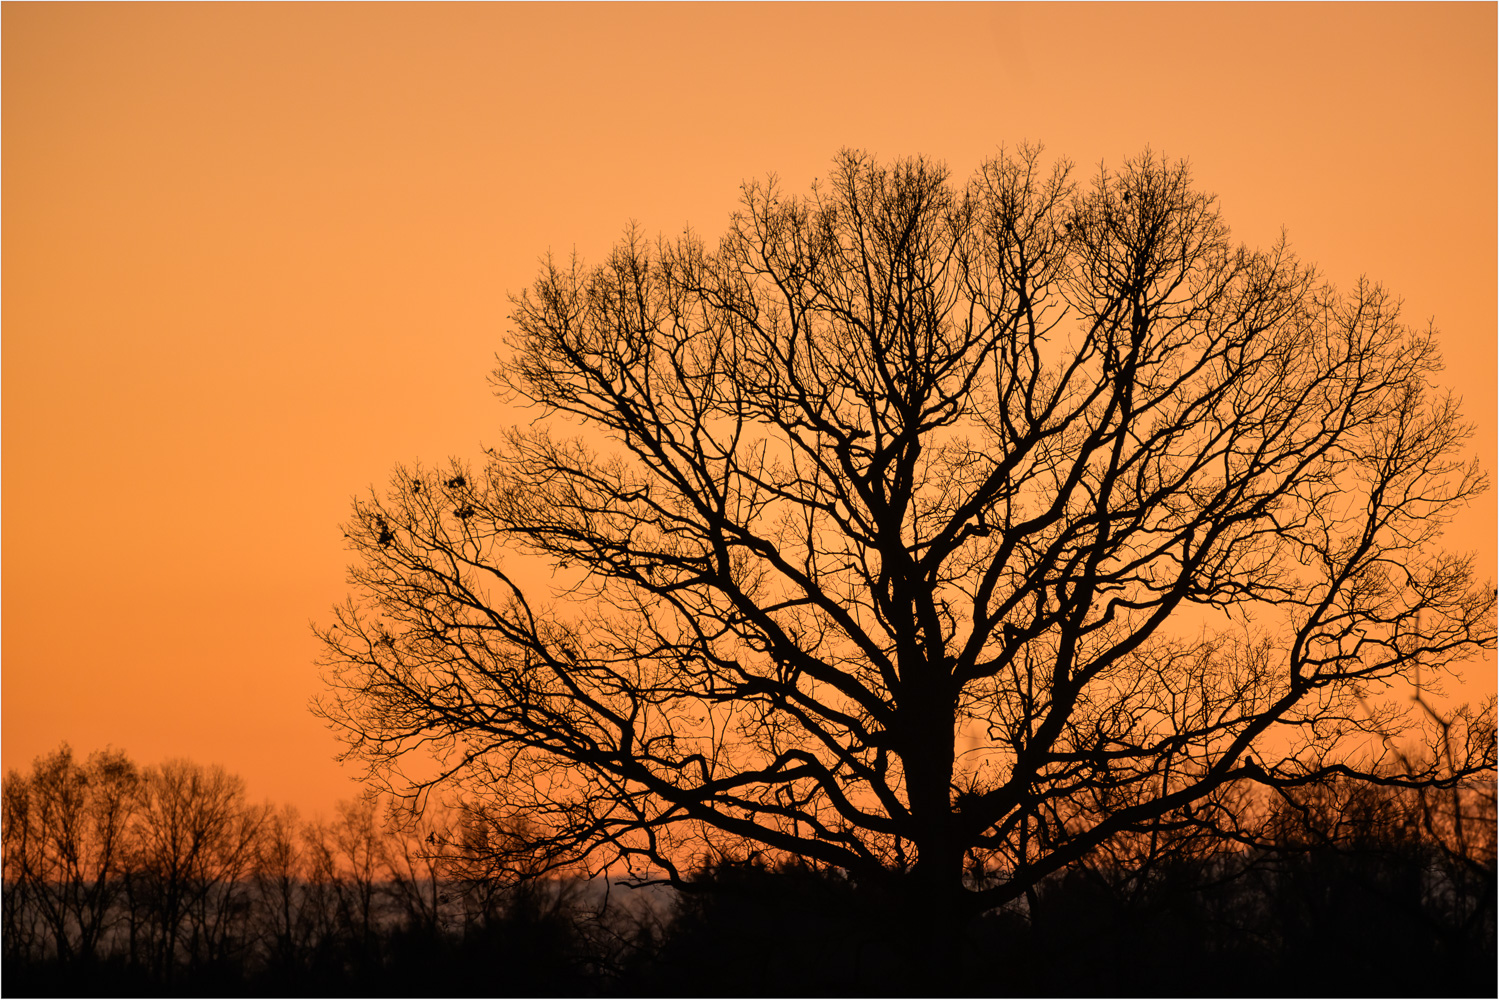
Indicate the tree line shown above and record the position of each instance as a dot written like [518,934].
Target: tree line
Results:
[120,879]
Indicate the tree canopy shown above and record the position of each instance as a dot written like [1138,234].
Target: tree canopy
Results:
[943,530]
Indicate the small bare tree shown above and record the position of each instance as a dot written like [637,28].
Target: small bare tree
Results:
[194,843]
[414,851]
[287,913]
[923,530]
[66,829]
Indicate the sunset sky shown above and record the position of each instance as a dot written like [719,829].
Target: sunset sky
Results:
[253,256]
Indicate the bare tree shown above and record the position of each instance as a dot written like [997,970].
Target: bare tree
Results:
[414,851]
[22,930]
[287,913]
[65,847]
[351,857]
[925,530]
[194,841]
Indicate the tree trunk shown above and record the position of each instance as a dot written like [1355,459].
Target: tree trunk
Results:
[932,917]
[933,924]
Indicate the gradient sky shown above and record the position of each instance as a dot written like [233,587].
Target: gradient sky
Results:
[256,255]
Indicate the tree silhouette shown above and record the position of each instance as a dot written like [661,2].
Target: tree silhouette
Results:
[194,849]
[65,830]
[938,534]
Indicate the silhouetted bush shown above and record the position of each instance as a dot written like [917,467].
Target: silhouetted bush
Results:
[748,929]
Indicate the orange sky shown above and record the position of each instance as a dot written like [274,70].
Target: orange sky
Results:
[255,255]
